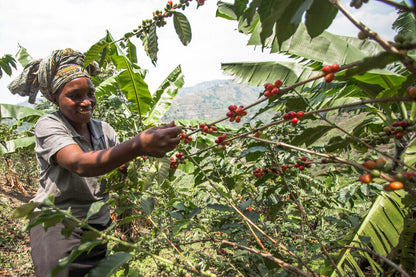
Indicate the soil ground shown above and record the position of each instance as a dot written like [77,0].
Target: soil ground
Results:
[15,259]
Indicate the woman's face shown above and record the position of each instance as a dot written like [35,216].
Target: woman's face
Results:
[77,100]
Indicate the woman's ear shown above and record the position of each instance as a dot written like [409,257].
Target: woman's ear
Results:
[56,97]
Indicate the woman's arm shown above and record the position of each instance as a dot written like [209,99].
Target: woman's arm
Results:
[154,142]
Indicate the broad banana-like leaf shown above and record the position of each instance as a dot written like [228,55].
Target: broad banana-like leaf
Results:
[260,73]
[164,95]
[409,155]
[10,146]
[405,24]
[106,88]
[382,225]
[326,48]
[132,84]
[19,113]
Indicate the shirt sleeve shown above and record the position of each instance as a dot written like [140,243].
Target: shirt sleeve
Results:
[51,135]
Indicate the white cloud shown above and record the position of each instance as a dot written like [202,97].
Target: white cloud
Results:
[45,25]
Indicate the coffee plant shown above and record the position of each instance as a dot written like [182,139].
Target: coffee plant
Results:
[325,188]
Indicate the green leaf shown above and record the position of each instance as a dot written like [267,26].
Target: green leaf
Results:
[179,225]
[226,10]
[19,112]
[69,226]
[409,155]
[382,224]
[94,52]
[379,61]
[260,73]
[182,27]
[150,44]
[51,220]
[24,210]
[162,98]
[110,264]
[268,16]
[405,24]
[10,146]
[315,22]
[220,207]
[64,262]
[104,89]
[310,135]
[179,206]
[135,89]
[253,153]
[297,17]
[131,52]
[23,56]
[239,7]
[95,208]
[4,64]
[326,48]
[148,205]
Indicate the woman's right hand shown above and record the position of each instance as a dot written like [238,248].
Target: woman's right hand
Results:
[157,141]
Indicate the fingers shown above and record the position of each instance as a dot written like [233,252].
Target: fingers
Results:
[170,125]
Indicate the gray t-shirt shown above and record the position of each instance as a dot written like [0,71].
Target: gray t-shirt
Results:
[52,133]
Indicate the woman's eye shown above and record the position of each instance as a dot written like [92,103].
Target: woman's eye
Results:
[75,97]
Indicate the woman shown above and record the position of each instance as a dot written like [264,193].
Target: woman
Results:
[73,150]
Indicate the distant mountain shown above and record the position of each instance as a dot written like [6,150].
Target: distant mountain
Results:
[199,87]
[210,100]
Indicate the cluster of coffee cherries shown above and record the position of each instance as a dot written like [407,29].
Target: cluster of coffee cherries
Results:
[402,41]
[375,167]
[400,128]
[186,139]
[293,116]
[381,165]
[272,89]
[175,161]
[301,164]
[260,172]
[236,113]
[220,141]
[329,71]
[208,129]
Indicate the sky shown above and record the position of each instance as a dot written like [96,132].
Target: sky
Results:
[45,25]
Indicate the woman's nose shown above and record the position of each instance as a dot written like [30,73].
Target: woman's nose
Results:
[86,102]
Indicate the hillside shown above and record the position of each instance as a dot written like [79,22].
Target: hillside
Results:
[210,100]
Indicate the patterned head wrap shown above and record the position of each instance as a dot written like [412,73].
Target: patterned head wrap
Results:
[50,74]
